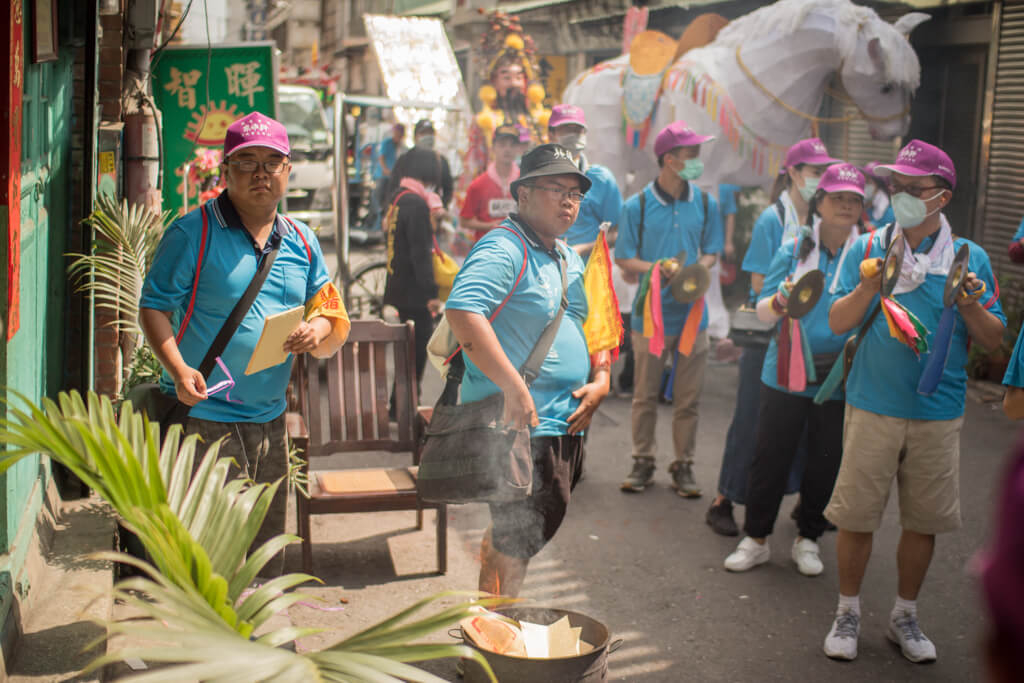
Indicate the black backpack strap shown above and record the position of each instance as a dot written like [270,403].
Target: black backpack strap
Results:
[781,210]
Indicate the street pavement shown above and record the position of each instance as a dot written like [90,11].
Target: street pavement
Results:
[648,567]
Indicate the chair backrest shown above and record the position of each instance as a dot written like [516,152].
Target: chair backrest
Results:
[358,385]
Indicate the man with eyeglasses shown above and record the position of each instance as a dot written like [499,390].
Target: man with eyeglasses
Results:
[559,404]
[895,428]
[225,240]
[667,217]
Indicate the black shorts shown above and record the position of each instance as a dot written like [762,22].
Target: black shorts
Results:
[522,528]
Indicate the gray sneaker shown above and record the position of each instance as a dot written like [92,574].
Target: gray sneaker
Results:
[641,475]
[683,481]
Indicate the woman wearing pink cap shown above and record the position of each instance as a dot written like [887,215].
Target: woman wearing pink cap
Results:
[788,386]
[805,162]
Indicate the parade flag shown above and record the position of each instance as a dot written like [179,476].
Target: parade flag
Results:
[603,326]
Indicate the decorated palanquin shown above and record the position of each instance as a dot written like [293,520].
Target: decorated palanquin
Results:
[513,94]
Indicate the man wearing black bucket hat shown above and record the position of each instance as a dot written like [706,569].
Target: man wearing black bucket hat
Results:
[559,404]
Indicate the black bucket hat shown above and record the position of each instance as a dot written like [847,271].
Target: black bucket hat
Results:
[547,160]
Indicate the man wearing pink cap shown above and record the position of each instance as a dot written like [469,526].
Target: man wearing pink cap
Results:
[897,426]
[603,202]
[204,264]
[669,216]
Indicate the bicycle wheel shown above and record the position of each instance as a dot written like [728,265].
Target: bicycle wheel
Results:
[364,295]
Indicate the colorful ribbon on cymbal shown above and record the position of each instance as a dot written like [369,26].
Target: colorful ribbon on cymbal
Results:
[904,326]
[654,324]
[941,345]
[688,337]
[794,358]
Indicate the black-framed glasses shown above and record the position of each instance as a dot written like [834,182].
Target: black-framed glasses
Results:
[574,196]
[273,167]
[913,190]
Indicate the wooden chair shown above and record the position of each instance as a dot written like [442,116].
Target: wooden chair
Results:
[356,393]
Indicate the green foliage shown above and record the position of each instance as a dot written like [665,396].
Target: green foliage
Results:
[197,526]
[122,254]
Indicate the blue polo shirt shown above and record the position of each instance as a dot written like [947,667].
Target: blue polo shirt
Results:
[814,324]
[1014,376]
[765,240]
[887,216]
[390,152]
[1020,232]
[727,199]
[483,282]
[670,226]
[229,264]
[602,202]
[885,372]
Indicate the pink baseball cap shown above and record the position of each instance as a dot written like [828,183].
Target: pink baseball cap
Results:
[677,134]
[918,158]
[562,114]
[842,178]
[256,130]
[810,151]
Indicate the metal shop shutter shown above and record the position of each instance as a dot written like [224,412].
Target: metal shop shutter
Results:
[1004,199]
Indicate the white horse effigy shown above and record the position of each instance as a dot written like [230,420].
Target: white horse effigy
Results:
[757,87]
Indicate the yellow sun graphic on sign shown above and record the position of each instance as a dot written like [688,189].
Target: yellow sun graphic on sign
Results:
[210,124]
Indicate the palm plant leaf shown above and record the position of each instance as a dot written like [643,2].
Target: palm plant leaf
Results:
[197,527]
[127,238]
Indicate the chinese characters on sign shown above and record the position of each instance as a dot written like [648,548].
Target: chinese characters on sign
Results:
[183,84]
[244,80]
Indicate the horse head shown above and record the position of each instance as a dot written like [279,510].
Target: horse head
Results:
[882,72]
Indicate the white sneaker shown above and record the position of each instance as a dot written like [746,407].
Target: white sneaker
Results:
[905,632]
[748,554]
[807,557]
[841,641]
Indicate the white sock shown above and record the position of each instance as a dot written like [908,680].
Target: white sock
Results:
[904,607]
[849,603]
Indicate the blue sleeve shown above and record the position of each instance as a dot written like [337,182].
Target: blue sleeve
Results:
[625,247]
[849,276]
[888,216]
[727,199]
[1014,376]
[488,274]
[982,268]
[168,284]
[318,276]
[780,268]
[713,239]
[1020,232]
[764,242]
[612,206]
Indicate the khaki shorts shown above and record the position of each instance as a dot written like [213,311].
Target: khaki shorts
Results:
[923,456]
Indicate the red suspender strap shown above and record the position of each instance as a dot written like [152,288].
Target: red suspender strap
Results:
[195,280]
[309,252]
[995,297]
[522,269]
[867,252]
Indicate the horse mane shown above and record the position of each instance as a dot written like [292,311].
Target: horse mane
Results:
[787,16]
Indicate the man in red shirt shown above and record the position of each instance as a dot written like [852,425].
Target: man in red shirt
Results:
[488,198]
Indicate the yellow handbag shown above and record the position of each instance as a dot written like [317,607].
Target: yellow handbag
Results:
[445,269]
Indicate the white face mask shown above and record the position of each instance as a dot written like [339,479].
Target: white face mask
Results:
[910,211]
[574,142]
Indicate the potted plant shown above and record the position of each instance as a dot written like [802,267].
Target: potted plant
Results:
[197,614]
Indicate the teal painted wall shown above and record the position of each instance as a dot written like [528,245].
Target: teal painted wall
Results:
[35,354]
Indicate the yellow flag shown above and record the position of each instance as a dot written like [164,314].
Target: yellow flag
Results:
[603,326]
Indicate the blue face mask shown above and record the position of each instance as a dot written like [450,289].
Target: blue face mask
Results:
[911,211]
[692,169]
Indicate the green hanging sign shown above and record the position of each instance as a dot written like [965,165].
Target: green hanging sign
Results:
[199,93]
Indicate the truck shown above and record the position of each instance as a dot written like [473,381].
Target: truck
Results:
[311,184]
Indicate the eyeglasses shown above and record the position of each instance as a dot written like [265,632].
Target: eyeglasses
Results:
[272,167]
[913,190]
[574,196]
